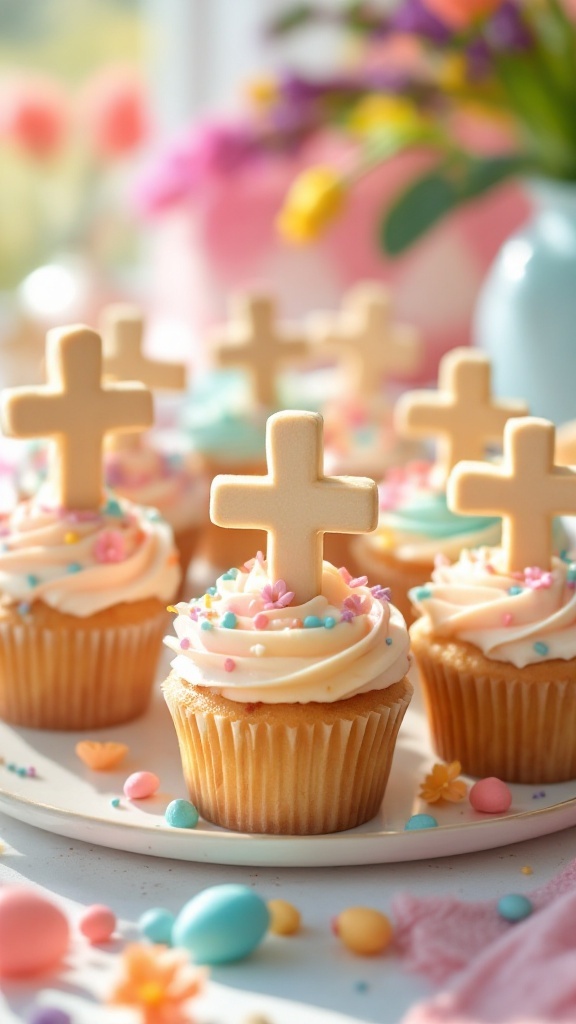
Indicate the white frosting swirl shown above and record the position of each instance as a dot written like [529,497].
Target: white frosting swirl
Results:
[521,618]
[83,563]
[344,642]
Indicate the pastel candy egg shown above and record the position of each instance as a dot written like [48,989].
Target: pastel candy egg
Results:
[365,931]
[34,933]
[156,925]
[221,924]
[97,923]
[181,814]
[418,821]
[490,796]
[140,785]
[284,917]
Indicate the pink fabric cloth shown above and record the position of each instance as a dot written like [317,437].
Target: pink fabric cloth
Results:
[499,972]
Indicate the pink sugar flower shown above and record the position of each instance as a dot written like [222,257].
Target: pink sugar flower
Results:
[110,546]
[537,579]
[275,595]
[356,604]
[352,581]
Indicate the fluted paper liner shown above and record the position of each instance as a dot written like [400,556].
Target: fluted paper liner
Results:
[82,678]
[286,769]
[382,567]
[516,724]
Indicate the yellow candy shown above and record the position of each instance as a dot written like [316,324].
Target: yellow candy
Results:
[70,538]
[284,918]
[364,931]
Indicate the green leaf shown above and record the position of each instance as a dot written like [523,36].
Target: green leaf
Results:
[293,18]
[426,201]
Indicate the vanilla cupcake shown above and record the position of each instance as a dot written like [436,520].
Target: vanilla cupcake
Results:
[289,681]
[287,715]
[496,641]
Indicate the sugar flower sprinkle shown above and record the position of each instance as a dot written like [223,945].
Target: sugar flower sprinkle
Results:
[158,982]
[442,783]
[110,546]
[276,595]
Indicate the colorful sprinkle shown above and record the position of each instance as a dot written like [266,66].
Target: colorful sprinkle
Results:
[109,547]
[312,622]
[181,814]
[388,641]
[73,567]
[229,665]
[381,593]
[70,537]
[419,821]
[172,609]
[229,621]
[541,648]
[184,643]
[276,595]
[507,619]
[211,591]
[206,625]
[32,580]
[422,593]
[526,870]
[514,907]
[514,591]
[115,801]
[261,621]
[329,622]
[114,509]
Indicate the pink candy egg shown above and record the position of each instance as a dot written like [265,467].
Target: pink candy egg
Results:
[34,933]
[98,923]
[140,785]
[490,796]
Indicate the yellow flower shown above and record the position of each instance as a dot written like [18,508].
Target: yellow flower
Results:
[158,982]
[314,200]
[375,113]
[443,784]
[261,92]
[452,75]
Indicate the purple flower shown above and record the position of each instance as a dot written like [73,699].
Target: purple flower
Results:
[275,595]
[414,18]
[381,593]
[346,615]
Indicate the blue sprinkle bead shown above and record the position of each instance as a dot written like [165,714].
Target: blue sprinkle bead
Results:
[32,580]
[114,509]
[211,591]
[115,801]
[418,821]
[206,625]
[153,515]
[229,621]
[230,575]
[514,591]
[389,641]
[312,621]
[541,648]
[329,622]
[571,573]
[22,772]
[74,567]
[514,907]
[181,814]
[422,593]
[156,925]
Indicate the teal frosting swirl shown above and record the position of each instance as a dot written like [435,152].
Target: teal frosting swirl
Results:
[219,420]
[428,515]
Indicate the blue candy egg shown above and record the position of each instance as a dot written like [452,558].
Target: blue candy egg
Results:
[514,907]
[418,821]
[221,924]
[156,924]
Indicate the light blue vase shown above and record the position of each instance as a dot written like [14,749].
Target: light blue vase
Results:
[526,314]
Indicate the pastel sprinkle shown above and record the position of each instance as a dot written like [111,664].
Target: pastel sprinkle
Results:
[70,537]
[229,665]
[418,821]
[526,870]
[113,508]
[32,580]
[211,591]
[507,619]
[184,643]
[312,622]
[514,907]
[514,591]
[422,593]
[229,620]
[73,567]
[541,648]
[171,608]
[258,650]
[181,814]
[206,625]
[329,622]
[388,641]
[261,621]
[115,801]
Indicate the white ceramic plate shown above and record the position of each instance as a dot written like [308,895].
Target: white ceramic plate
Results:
[71,800]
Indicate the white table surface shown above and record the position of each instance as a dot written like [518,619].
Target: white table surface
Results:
[311,968]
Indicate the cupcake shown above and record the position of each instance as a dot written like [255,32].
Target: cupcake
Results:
[225,417]
[84,576]
[496,641]
[288,685]
[415,525]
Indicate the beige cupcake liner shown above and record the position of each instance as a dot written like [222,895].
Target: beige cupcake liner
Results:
[384,568]
[301,771]
[517,729]
[82,678]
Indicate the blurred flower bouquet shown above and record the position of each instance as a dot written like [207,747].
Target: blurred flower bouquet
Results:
[62,161]
[432,65]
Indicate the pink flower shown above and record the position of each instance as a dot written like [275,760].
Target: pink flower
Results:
[537,579]
[109,546]
[275,595]
[357,604]
[352,581]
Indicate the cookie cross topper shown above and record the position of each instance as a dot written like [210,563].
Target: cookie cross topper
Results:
[528,491]
[295,503]
[462,413]
[122,329]
[252,339]
[371,346]
[76,410]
